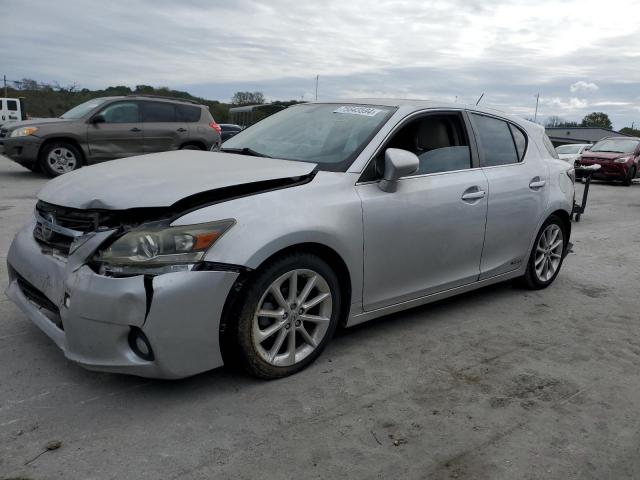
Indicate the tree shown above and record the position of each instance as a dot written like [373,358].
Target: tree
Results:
[29,84]
[631,131]
[597,119]
[247,98]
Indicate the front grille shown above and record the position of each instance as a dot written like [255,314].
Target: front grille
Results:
[77,220]
[40,299]
[80,220]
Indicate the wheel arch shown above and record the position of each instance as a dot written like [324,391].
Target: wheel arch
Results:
[196,143]
[71,140]
[566,220]
[326,253]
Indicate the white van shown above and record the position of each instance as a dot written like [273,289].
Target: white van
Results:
[11,110]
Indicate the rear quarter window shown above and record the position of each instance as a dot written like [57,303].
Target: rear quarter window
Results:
[188,113]
[12,105]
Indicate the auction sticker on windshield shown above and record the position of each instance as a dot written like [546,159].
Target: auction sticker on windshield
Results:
[353,110]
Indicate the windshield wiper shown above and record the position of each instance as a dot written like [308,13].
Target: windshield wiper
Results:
[245,151]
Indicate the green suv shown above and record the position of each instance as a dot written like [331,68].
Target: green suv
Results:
[108,128]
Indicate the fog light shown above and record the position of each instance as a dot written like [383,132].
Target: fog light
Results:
[140,344]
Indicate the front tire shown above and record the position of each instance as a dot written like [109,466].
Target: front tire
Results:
[629,180]
[59,158]
[546,256]
[191,147]
[288,315]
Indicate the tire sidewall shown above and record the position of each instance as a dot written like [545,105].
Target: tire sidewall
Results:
[254,292]
[44,165]
[531,273]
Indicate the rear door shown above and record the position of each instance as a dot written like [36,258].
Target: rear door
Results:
[518,192]
[162,130]
[120,135]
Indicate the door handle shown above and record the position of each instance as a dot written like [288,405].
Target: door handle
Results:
[181,129]
[536,183]
[473,193]
[135,129]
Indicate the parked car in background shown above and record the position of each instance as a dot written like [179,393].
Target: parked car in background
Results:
[570,153]
[11,110]
[229,130]
[323,214]
[618,157]
[108,128]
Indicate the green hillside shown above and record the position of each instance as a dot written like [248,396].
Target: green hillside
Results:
[44,101]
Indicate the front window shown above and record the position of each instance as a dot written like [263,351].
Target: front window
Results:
[84,108]
[569,149]
[331,135]
[121,112]
[615,145]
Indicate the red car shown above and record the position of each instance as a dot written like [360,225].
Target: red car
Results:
[618,157]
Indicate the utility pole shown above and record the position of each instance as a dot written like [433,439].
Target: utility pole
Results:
[5,85]
[535,116]
[317,79]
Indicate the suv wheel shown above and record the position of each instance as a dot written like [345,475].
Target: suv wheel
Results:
[59,158]
[190,147]
[289,313]
[546,256]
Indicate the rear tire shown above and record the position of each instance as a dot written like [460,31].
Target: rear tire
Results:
[547,255]
[295,327]
[191,147]
[59,158]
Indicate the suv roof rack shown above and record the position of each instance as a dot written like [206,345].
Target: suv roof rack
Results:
[175,99]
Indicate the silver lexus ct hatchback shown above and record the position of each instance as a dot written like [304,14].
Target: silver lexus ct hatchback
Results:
[324,214]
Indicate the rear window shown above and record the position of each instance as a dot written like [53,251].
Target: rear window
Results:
[12,105]
[158,112]
[496,142]
[187,113]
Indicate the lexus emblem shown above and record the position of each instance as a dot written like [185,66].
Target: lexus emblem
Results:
[47,226]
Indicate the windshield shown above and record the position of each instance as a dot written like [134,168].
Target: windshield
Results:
[331,135]
[569,149]
[615,145]
[84,108]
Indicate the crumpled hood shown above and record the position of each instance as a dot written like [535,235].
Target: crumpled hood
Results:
[162,179]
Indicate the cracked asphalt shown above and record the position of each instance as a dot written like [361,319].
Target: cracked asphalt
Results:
[501,383]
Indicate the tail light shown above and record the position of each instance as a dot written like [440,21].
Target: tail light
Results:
[216,127]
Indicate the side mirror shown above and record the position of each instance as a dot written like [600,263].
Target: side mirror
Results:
[98,119]
[397,164]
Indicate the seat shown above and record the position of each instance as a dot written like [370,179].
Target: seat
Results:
[436,150]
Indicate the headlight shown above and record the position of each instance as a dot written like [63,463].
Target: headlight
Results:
[156,248]
[622,160]
[23,132]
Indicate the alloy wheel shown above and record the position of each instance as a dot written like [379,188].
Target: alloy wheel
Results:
[549,252]
[292,317]
[62,160]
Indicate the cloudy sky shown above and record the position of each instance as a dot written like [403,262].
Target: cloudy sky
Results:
[581,56]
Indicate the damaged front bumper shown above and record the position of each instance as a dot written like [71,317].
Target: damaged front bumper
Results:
[91,317]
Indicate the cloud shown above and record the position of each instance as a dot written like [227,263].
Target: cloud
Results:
[508,49]
[583,87]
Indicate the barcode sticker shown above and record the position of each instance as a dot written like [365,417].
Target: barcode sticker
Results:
[355,110]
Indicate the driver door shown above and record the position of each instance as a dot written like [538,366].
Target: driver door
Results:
[120,135]
[428,235]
